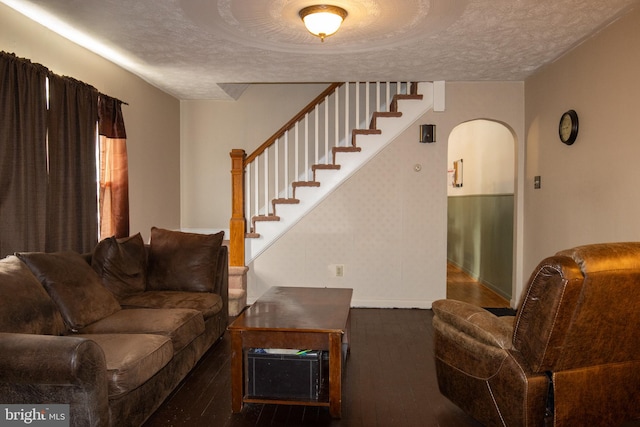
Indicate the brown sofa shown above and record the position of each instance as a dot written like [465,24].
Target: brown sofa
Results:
[110,333]
[571,355]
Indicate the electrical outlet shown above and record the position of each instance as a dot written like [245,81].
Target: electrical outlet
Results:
[339,270]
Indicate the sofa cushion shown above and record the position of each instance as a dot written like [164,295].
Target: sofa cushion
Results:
[121,265]
[207,303]
[181,325]
[73,285]
[181,261]
[132,358]
[26,307]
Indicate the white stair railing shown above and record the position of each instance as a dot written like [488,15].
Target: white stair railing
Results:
[290,154]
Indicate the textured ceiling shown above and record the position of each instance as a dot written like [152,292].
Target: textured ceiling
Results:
[209,49]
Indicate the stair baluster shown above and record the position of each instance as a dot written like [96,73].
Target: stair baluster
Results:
[258,200]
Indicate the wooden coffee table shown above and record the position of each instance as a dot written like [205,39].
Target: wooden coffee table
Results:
[293,318]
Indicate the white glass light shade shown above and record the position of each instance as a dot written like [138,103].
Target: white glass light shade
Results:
[322,20]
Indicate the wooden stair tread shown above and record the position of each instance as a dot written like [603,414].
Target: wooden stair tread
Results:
[266,218]
[251,235]
[318,167]
[285,201]
[346,149]
[305,184]
[323,166]
[352,149]
[409,96]
[366,132]
[387,114]
[299,184]
[396,98]
[378,114]
[370,131]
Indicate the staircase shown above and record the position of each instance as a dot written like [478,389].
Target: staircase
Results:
[309,157]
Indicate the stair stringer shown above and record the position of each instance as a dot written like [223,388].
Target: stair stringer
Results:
[350,162]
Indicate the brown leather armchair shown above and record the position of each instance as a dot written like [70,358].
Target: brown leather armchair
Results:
[571,355]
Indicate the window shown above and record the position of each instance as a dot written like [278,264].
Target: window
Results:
[48,167]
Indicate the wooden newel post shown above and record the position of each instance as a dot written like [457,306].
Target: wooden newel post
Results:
[237,224]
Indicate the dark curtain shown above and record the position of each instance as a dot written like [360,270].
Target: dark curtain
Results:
[49,161]
[114,170]
[72,198]
[23,160]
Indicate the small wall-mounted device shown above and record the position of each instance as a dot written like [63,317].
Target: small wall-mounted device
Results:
[427,133]
[536,182]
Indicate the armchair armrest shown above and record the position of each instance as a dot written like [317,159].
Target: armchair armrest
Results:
[55,369]
[476,322]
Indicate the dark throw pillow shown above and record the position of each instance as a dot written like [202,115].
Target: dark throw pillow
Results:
[73,285]
[180,261]
[26,308]
[121,265]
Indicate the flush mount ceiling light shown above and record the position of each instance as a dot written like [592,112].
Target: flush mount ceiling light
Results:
[322,20]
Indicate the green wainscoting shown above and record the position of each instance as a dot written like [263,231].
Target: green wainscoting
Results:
[480,238]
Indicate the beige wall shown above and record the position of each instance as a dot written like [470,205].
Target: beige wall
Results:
[487,149]
[501,102]
[590,189]
[388,224]
[211,129]
[152,118]
[587,195]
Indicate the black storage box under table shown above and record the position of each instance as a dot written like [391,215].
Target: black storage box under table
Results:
[283,375]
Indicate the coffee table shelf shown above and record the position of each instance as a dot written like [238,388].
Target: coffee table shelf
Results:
[293,318]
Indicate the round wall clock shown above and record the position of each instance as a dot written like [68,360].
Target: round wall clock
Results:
[568,127]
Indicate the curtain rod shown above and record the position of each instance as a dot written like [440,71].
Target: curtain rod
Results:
[15,57]
[109,96]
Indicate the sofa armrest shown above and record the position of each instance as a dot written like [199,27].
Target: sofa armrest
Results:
[222,280]
[37,369]
[476,322]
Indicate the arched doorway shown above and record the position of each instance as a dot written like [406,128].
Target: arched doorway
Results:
[481,203]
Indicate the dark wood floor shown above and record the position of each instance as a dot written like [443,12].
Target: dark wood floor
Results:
[389,378]
[389,381]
